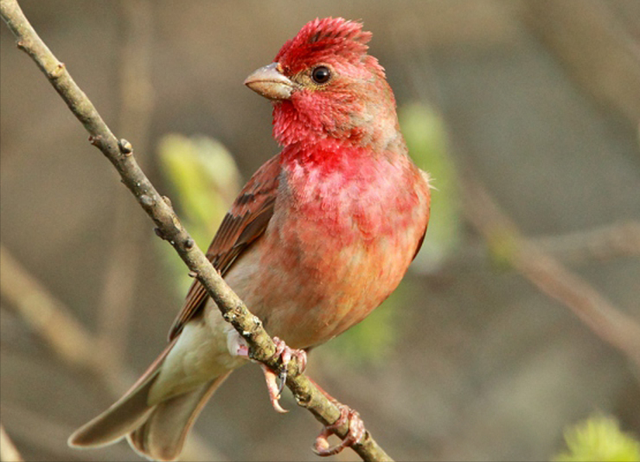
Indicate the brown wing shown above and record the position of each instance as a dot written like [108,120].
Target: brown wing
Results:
[244,223]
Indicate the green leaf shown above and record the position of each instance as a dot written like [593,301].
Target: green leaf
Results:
[204,180]
[426,137]
[202,174]
[599,438]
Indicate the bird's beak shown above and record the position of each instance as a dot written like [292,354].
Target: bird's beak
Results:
[269,82]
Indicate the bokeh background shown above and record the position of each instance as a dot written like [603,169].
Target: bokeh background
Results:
[529,106]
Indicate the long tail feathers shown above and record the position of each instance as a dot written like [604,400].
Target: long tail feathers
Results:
[125,415]
[163,434]
[121,418]
[158,431]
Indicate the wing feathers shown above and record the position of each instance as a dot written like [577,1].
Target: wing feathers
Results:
[242,226]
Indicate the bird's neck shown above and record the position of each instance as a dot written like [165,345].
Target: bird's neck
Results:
[292,126]
[324,156]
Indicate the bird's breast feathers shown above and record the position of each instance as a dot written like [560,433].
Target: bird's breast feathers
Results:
[350,228]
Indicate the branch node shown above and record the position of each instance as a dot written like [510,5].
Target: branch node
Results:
[189,243]
[125,147]
[302,400]
[167,201]
[95,139]
[193,274]
[57,71]
[146,200]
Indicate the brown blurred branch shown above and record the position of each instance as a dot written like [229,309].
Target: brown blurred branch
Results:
[602,243]
[124,259]
[594,46]
[617,240]
[67,338]
[8,451]
[52,320]
[119,153]
[545,272]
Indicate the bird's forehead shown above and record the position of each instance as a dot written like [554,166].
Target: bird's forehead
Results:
[324,40]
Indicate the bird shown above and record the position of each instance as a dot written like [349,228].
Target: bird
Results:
[319,236]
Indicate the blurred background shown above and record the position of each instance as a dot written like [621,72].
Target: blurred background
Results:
[526,113]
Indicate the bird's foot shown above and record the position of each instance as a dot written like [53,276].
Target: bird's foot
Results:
[286,354]
[236,345]
[355,434]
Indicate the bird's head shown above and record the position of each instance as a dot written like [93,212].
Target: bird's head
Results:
[324,85]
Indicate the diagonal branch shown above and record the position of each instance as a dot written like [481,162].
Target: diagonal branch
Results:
[548,275]
[66,337]
[609,241]
[52,321]
[120,154]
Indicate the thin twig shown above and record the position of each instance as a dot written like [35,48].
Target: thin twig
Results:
[611,241]
[617,240]
[119,153]
[8,450]
[546,273]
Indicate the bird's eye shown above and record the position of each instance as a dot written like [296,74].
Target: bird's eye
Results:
[321,74]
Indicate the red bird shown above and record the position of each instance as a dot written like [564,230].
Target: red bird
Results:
[319,236]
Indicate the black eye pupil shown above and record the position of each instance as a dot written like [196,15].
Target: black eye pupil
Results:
[321,74]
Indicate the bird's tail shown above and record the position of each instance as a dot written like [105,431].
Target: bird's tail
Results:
[155,431]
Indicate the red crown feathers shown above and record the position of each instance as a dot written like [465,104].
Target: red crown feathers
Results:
[321,40]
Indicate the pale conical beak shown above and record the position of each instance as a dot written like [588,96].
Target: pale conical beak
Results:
[269,82]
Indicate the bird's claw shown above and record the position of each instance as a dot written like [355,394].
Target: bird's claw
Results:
[354,435]
[285,353]
[273,389]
